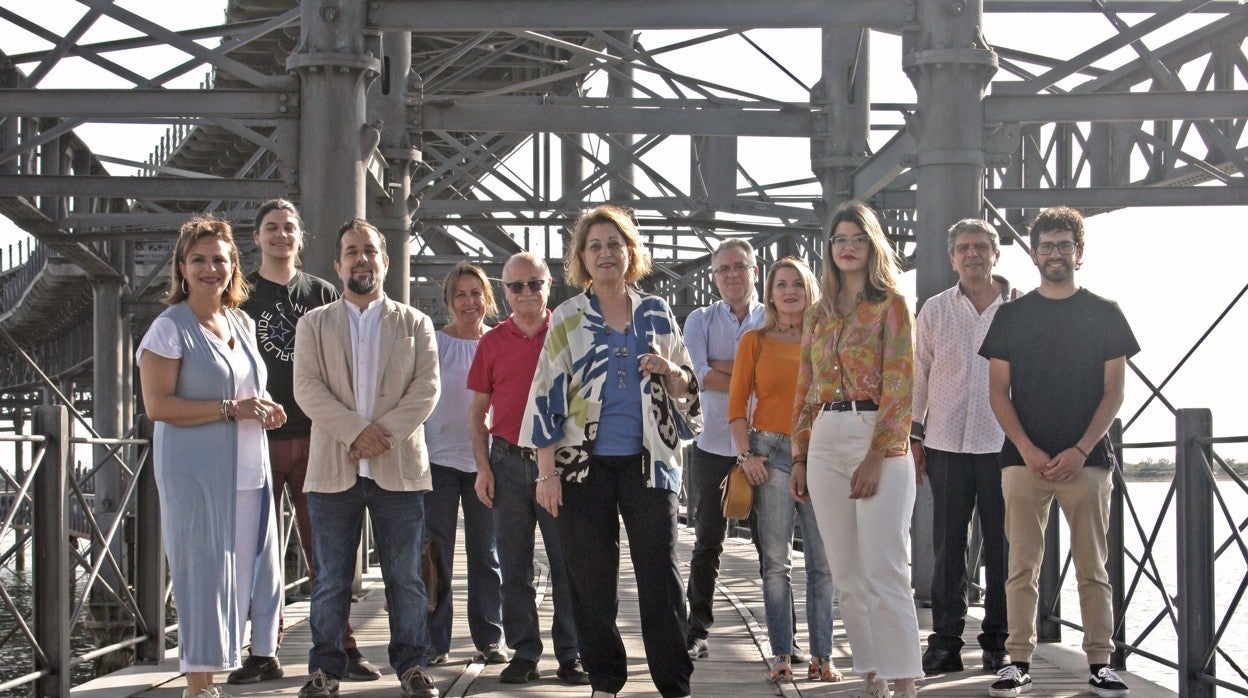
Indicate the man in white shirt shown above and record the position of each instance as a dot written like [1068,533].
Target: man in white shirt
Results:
[366,372]
[957,438]
[712,334]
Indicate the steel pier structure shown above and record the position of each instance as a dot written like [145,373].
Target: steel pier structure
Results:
[477,128]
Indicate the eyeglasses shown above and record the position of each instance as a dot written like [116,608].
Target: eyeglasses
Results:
[857,242]
[737,268]
[534,285]
[1064,247]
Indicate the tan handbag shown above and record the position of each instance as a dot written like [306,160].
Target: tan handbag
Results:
[736,494]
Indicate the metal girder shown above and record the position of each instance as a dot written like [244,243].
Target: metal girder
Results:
[693,117]
[156,188]
[888,162]
[1115,106]
[1072,6]
[431,16]
[1092,197]
[139,103]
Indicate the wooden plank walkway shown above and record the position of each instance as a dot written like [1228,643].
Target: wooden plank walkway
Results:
[736,666]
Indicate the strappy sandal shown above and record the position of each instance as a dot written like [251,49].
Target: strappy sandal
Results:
[876,688]
[821,669]
[781,669]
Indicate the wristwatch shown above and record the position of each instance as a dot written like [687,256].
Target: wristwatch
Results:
[743,456]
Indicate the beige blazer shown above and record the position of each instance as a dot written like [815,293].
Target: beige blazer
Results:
[406,393]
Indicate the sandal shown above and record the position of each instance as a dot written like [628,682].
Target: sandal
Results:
[821,669]
[876,688]
[781,670]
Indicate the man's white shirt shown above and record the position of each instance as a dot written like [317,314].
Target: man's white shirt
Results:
[365,356]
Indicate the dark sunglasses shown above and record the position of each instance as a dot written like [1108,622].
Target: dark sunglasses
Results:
[518,286]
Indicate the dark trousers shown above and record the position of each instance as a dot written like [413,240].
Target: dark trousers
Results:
[706,471]
[962,482]
[485,605]
[288,459]
[589,524]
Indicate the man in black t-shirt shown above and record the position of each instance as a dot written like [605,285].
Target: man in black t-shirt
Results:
[280,295]
[1057,365]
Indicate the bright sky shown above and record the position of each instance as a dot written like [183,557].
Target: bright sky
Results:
[1147,259]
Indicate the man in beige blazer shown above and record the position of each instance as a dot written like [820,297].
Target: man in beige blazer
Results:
[366,372]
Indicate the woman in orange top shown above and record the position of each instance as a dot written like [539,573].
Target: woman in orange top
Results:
[851,439]
[766,373]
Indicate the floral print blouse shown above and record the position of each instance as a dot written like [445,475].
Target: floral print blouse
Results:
[866,354]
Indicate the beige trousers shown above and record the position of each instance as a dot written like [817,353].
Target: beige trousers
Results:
[1085,503]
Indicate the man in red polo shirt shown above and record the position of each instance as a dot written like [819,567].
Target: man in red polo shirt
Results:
[501,374]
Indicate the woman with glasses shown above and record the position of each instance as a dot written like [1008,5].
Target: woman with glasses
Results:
[765,375]
[203,382]
[612,400]
[470,300]
[851,438]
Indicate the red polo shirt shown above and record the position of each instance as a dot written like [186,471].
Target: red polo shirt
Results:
[503,368]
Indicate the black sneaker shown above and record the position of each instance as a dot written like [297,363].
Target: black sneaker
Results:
[520,670]
[571,673]
[1107,684]
[417,684]
[358,668]
[319,685]
[699,648]
[256,669]
[1011,681]
[492,654]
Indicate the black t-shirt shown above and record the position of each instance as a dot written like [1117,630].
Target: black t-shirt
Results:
[1057,351]
[276,310]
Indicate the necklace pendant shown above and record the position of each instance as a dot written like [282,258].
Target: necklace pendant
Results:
[619,372]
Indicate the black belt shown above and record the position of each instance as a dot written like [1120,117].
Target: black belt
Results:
[851,406]
[507,446]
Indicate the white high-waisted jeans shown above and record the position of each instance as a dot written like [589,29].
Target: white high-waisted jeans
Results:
[867,543]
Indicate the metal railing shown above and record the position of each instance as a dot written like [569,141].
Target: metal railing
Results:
[115,563]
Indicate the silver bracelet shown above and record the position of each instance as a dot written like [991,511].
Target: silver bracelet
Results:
[543,478]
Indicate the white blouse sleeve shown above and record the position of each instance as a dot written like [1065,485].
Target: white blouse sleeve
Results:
[161,339]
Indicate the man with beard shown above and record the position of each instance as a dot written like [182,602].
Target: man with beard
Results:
[1058,359]
[711,335]
[500,378]
[281,293]
[366,372]
[957,438]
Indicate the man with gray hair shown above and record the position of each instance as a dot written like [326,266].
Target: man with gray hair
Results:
[500,377]
[711,334]
[956,438]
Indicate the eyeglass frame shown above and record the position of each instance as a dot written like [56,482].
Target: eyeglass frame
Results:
[517,287]
[1047,248]
[857,241]
[738,268]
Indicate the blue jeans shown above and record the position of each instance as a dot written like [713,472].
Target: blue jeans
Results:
[516,515]
[775,510]
[485,605]
[398,528]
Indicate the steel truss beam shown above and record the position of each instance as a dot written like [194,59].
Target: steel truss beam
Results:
[98,105]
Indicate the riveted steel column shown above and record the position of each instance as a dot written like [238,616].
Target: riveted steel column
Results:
[840,103]
[620,153]
[52,571]
[393,211]
[149,586]
[1194,515]
[949,63]
[1116,565]
[335,64]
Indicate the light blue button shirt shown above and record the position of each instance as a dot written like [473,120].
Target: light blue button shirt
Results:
[712,334]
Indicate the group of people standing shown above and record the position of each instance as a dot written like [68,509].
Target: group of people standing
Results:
[578,418]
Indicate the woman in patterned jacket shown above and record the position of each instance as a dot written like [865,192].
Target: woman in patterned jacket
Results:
[612,400]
